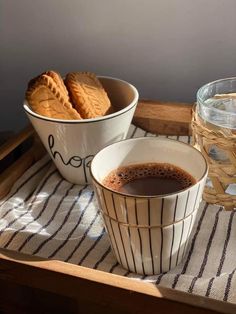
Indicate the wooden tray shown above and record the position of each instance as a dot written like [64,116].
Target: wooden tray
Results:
[29,284]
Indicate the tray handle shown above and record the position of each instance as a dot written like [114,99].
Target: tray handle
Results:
[23,162]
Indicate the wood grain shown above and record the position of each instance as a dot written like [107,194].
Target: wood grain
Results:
[164,117]
[15,141]
[15,171]
[100,292]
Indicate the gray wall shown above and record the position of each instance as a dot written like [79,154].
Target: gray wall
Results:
[167,48]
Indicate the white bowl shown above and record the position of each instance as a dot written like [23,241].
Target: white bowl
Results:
[73,143]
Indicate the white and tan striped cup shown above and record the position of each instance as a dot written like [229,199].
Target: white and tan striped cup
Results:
[149,234]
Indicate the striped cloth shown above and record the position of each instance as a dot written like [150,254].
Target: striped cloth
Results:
[47,216]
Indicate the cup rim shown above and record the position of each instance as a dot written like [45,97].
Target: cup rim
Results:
[157,195]
[98,119]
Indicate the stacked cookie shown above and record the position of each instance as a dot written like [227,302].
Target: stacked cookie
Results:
[80,96]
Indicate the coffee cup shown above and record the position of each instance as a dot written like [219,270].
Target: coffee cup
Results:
[73,143]
[149,233]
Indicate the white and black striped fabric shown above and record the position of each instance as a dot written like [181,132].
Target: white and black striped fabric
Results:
[47,216]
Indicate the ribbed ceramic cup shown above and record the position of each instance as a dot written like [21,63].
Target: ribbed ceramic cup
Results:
[73,143]
[149,234]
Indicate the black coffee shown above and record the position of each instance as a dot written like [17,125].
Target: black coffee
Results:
[148,179]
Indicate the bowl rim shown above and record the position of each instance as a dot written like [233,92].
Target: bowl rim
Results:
[102,118]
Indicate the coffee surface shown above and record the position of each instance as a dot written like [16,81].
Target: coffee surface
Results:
[148,179]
